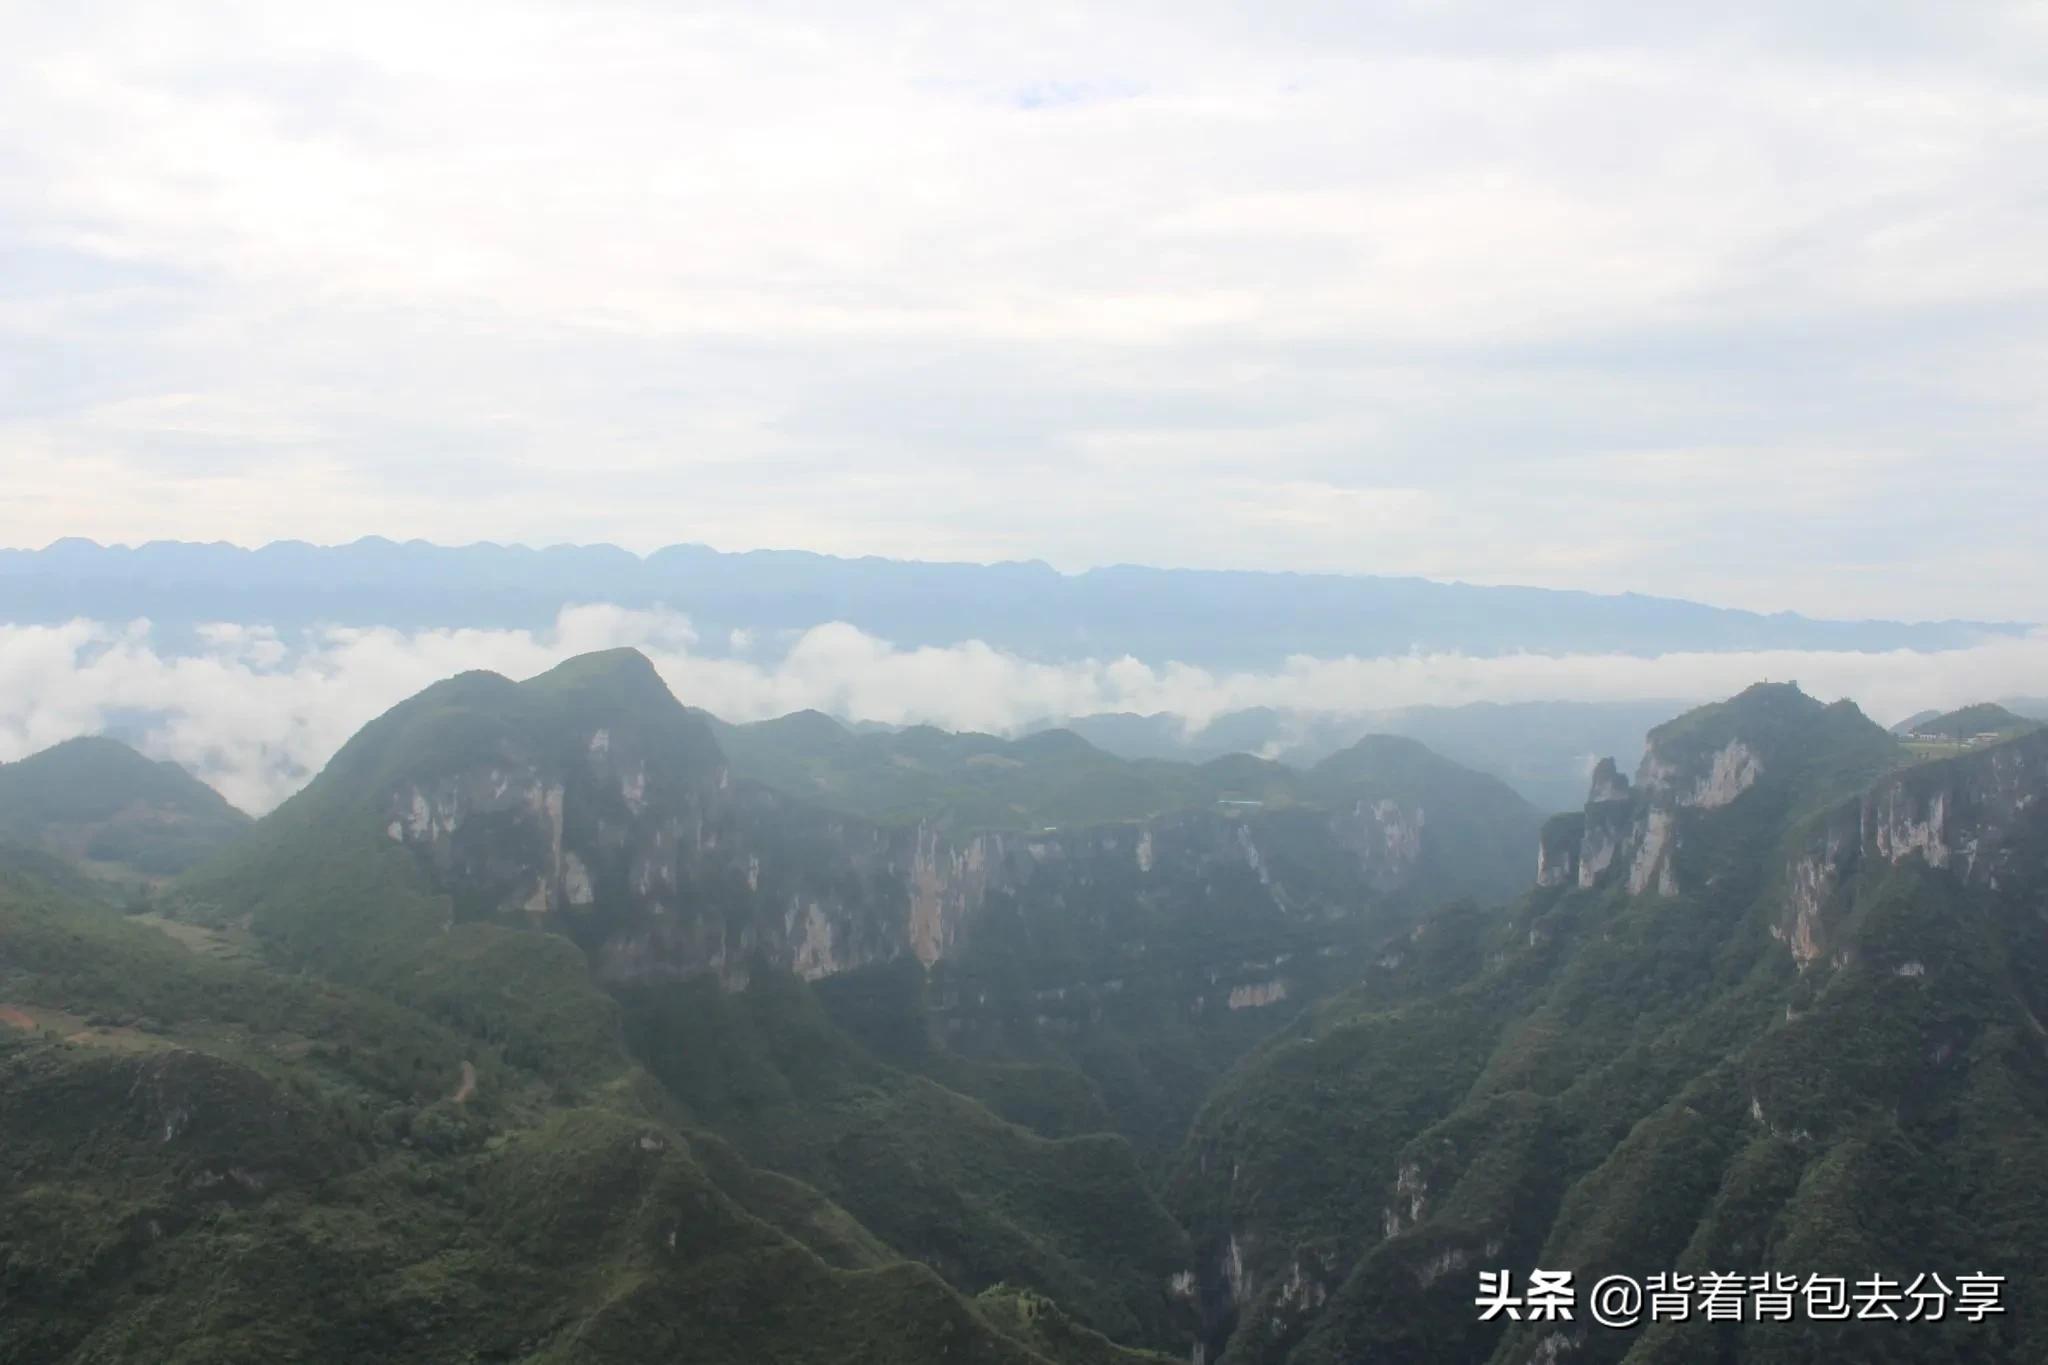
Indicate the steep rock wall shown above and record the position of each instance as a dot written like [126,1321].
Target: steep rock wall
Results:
[1980,816]
[1632,832]
[665,872]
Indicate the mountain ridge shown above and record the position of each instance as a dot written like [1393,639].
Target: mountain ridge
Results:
[239,1165]
[123,817]
[1235,1074]
[1055,979]
[1770,1011]
[477,757]
[1208,617]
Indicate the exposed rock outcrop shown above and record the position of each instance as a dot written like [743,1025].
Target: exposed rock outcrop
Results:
[1608,783]
[1635,833]
[1607,830]
[608,814]
[1557,849]
[1979,815]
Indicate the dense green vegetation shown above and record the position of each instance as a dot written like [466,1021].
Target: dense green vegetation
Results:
[975,782]
[112,814]
[1605,1083]
[932,1171]
[1815,753]
[929,1171]
[202,1159]
[972,782]
[1985,718]
[1188,1073]
[1038,1322]
[1095,982]
[1124,974]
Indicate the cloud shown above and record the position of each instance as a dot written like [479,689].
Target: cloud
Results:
[1741,304]
[257,715]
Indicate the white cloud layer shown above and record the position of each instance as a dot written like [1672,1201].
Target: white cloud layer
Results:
[256,716]
[1740,302]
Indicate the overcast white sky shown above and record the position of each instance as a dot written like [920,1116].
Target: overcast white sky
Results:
[1742,302]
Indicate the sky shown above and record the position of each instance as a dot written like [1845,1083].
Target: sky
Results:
[1743,302]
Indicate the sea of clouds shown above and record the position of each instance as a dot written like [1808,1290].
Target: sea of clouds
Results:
[256,714]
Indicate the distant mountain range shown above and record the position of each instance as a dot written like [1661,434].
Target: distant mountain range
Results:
[1214,618]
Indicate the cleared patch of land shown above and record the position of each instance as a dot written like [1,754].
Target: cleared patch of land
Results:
[74,1028]
[228,945]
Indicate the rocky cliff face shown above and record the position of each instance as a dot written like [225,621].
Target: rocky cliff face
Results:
[1975,813]
[1557,849]
[676,879]
[660,869]
[1386,837]
[609,825]
[1626,834]
[1982,816]
[1608,783]
[1493,1107]
[1635,834]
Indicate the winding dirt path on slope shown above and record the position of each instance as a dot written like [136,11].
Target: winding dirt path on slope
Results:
[17,1019]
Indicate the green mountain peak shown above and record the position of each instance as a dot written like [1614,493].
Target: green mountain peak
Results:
[122,815]
[619,677]
[556,1020]
[1774,1009]
[1985,720]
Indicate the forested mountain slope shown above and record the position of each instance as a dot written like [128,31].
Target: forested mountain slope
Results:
[529,969]
[1774,1007]
[1146,952]
[112,813]
[538,1029]
[204,1160]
